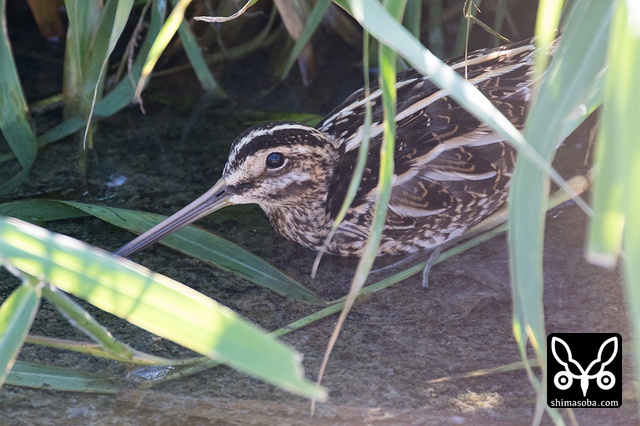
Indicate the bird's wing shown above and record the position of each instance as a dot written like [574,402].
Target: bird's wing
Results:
[444,155]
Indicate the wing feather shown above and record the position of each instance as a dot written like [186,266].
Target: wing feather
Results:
[450,169]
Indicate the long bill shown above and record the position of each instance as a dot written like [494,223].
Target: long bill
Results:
[209,202]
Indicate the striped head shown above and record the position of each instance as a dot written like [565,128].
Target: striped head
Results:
[279,164]
[284,167]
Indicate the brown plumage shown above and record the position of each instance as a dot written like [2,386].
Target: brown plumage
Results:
[451,171]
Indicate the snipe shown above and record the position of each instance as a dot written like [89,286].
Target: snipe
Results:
[451,171]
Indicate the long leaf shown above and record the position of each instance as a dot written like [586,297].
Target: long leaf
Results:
[615,152]
[615,227]
[16,316]
[14,117]
[549,12]
[83,19]
[209,248]
[313,21]
[198,63]
[387,57]
[192,241]
[122,95]
[153,302]
[160,43]
[80,318]
[112,22]
[50,377]
[39,211]
[573,76]
[382,26]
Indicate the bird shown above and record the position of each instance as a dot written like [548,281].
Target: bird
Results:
[451,170]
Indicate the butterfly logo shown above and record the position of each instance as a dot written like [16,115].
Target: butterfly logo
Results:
[564,379]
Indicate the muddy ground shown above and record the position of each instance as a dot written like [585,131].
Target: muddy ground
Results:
[401,351]
[404,354]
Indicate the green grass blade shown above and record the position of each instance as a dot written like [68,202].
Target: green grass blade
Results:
[97,350]
[363,153]
[313,21]
[116,23]
[160,43]
[112,22]
[14,116]
[616,158]
[153,302]
[83,18]
[62,130]
[629,117]
[609,189]
[198,63]
[192,241]
[382,26]
[16,315]
[387,61]
[40,210]
[93,33]
[549,12]
[208,248]
[50,377]
[573,76]
[122,95]
[615,227]
[113,18]
[80,318]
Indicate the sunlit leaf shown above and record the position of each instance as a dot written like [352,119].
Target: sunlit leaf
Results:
[16,315]
[563,96]
[192,241]
[208,247]
[153,302]
[163,38]
[615,228]
[372,16]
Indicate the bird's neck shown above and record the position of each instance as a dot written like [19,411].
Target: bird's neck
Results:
[306,223]
[307,218]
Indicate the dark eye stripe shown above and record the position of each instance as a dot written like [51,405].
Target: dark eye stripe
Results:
[282,138]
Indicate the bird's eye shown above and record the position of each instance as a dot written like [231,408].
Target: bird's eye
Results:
[275,160]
